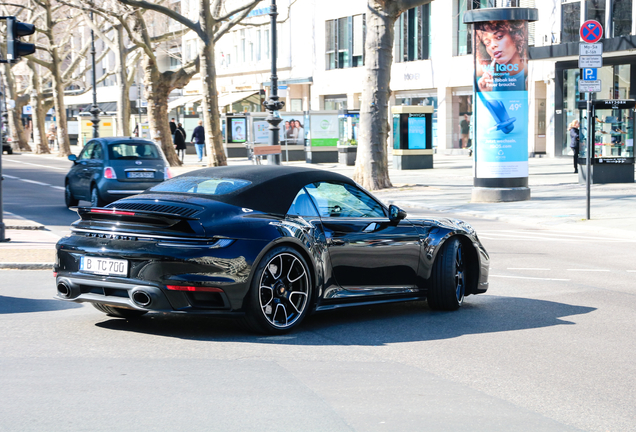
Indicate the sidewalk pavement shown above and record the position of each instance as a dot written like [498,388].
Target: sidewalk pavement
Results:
[558,201]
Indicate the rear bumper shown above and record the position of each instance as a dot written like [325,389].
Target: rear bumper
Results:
[125,295]
[112,190]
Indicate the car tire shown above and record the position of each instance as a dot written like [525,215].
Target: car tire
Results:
[96,201]
[280,293]
[448,285]
[119,312]
[69,198]
[10,151]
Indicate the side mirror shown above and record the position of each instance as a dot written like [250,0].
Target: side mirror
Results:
[396,213]
[72,158]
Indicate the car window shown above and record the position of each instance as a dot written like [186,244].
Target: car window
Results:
[87,151]
[133,150]
[302,205]
[343,200]
[201,185]
[97,153]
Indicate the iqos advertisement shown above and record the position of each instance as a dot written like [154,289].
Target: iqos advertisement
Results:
[501,61]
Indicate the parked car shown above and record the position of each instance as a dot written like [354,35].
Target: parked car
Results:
[267,244]
[6,144]
[108,169]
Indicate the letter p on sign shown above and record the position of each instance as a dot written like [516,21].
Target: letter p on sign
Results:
[589,74]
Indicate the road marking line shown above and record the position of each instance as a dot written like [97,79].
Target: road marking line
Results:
[589,270]
[34,182]
[39,165]
[531,278]
[521,268]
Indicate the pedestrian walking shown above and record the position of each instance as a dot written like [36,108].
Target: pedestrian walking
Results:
[180,142]
[173,127]
[51,136]
[198,138]
[573,127]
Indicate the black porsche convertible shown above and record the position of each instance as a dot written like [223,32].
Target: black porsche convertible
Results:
[267,244]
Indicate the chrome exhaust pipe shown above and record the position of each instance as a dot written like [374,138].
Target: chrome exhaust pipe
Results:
[63,290]
[141,298]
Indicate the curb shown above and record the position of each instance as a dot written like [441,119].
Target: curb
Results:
[26,266]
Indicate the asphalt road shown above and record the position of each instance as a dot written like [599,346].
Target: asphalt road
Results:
[550,347]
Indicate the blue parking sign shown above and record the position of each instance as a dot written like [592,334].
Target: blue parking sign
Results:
[590,74]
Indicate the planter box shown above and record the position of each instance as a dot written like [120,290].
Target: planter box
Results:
[347,155]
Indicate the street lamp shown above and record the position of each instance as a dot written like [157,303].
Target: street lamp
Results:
[273,105]
[94,108]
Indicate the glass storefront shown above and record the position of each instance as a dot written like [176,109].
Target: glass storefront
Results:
[615,84]
[613,133]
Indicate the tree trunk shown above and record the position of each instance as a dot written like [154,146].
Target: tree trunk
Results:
[38,113]
[372,169]
[19,137]
[157,91]
[211,117]
[123,97]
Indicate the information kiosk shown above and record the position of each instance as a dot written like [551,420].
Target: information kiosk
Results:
[412,137]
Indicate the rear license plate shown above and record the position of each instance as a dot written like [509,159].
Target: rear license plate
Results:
[140,174]
[104,266]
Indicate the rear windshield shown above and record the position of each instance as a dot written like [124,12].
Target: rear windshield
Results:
[133,151]
[201,185]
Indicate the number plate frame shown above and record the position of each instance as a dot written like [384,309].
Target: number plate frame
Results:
[103,266]
[140,174]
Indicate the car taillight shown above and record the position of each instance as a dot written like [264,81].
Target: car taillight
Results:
[109,173]
[166,173]
[193,288]
[108,211]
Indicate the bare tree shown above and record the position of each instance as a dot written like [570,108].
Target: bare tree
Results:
[20,98]
[372,169]
[214,21]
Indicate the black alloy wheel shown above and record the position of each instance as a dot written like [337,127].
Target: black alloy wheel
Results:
[119,312]
[448,285]
[96,201]
[69,198]
[281,292]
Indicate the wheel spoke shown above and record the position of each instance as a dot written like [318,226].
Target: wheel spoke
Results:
[291,268]
[301,301]
[280,305]
[271,296]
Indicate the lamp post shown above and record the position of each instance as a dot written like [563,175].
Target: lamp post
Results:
[3,123]
[273,105]
[94,109]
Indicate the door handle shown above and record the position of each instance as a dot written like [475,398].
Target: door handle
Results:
[332,242]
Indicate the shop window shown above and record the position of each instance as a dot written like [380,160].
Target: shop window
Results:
[344,42]
[413,35]
[621,17]
[258,45]
[570,21]
[335,102]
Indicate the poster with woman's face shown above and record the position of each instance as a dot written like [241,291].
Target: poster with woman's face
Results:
[501,105]
[501,51]
[239,128]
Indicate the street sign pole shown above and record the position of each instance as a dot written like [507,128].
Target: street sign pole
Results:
[590,56]
[588,158]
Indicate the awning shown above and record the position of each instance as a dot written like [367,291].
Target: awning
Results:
[231,98]
[184,100]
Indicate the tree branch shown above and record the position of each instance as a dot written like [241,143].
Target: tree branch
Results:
[229,24]
[195,27]
[231,13]
[404,5]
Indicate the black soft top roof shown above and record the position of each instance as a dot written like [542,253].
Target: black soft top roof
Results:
[272,189]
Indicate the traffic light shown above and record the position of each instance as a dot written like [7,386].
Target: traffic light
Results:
[15,47]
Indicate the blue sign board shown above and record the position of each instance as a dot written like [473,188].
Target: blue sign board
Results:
[590,74]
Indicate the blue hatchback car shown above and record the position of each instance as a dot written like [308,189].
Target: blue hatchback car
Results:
[108,169]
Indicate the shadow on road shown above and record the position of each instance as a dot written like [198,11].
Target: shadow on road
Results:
[373,325]
[12,305]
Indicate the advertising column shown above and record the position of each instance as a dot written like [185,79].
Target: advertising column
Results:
[500,50]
